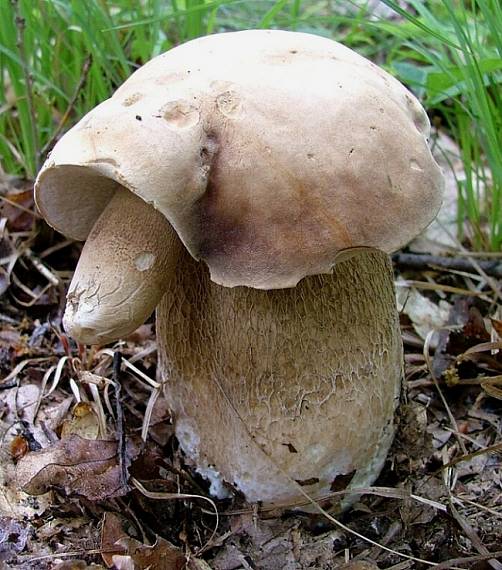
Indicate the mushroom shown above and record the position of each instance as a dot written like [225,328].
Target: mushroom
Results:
[250,186]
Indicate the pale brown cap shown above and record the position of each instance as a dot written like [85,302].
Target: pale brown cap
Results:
[269,152]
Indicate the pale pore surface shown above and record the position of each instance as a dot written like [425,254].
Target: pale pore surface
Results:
[308,376]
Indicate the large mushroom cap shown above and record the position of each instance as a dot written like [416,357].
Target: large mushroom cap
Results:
[269,152]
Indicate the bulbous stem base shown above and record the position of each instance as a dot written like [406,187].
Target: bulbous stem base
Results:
[277,391]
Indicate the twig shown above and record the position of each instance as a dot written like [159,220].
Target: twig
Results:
[170,496]
[13,374]
[41,268]
[438,287]
[454,561]
[20,207]
[83,78]
[451,417]
[423,262]
[473,537]
[493,284]
[462,500]
[121,448]
[56,247]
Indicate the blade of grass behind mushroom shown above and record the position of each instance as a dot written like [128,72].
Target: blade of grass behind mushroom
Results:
[460,76]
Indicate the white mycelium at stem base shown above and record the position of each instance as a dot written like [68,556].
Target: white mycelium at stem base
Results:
[255,160]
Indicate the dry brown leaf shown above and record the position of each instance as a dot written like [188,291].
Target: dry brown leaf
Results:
[10,337]
[456,345]
[18,208]
[272,544]
[77,466]
[14,503]
[111,532]
[60,527]
[84,422]
[161,556]
[497,325]
[19,447]
[423,313]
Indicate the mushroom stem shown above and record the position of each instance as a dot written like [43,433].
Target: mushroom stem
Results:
[122,272]
[286,387]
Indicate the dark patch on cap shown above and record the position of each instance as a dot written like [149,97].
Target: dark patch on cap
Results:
[222,228]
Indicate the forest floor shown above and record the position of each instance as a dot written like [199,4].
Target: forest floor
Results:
[81,489]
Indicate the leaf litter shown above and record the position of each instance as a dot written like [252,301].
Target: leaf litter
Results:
[72,496]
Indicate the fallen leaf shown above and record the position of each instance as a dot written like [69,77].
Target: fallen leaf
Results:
[10,337]
[13,537]
[161,556]
[453,343]
[77,466]
[13,502]
[18,208]
[475,329]
[60,527]
[274,544]
[19,447]
[84,422]
[497,325]
[111,532]
[423,313]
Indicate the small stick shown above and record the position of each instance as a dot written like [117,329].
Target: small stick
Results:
[56,247]
[421,262]
[473,537]
[83,78]
[41,268]
[20,207]
[121,441]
